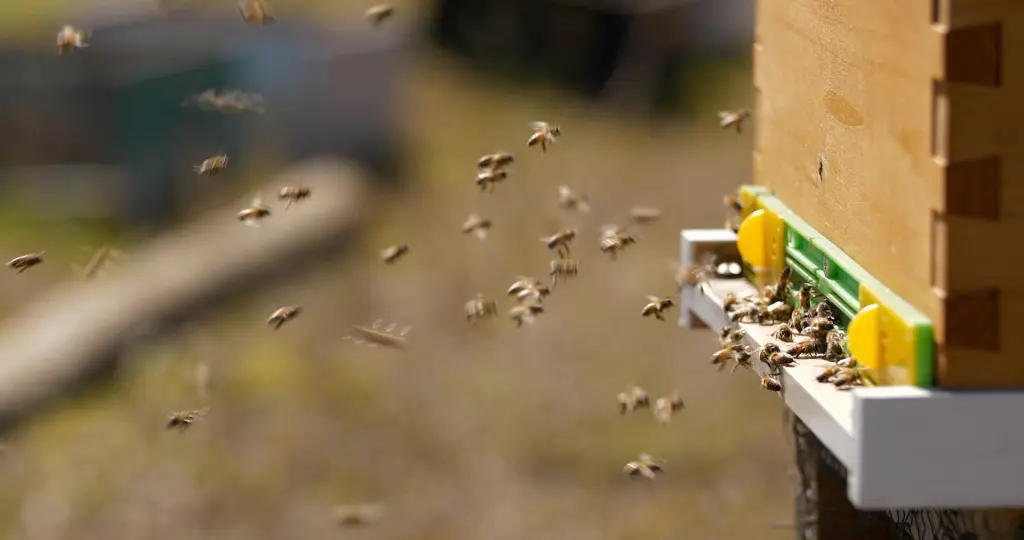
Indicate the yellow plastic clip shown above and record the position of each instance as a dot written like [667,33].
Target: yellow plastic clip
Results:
[864,336]
[760,243]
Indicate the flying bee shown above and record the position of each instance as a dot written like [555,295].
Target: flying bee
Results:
[476,225]
[779,311]
[728,119]
[487,179]
[644,214]
[665,407]
[184,419]
[810,346]
[252,215]
[543,134]
[525,312]
[633,399]
[480,308]
[721,357]
[614,240]
[70,38]
[780,293]
[783,333]
[731,336]
[24,262]
[392,253]
[645,465]
[378,13]
[282,315]
[656,306]
[560,241]
[230,102]
[834,345]
[374,335]
[698,275]
[771,383]
[352,515]
[534,293]
[523,283]
[564,268]
[570,200]
[742,357]
[212,166]
[293,194]
[497,160]
[256,12]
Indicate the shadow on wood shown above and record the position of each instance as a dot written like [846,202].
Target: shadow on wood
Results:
[77,329]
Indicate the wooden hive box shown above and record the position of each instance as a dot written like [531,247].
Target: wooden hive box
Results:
[894,128]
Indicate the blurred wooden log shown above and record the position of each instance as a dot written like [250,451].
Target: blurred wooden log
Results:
[77,329]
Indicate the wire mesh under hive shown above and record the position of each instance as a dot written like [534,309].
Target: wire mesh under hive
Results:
[824,513]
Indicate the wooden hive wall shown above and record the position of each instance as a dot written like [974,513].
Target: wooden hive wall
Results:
[890,128]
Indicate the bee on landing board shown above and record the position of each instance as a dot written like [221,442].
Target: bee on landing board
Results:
[783,333]
[70,38]
[734,119]
[283,315]
[478,226]
[212,166]
[562,268]
[614,240]
[252,215]
[293,194]
[256,12]
[352,515]
[378,13]
[24,262]
[391,254]
[633,399]
[497,160]
[184,419]
[644,214]
[525,312]
[656,306]
[480,308]
[645,465]
[543,134]
[665,407]
[560,241]
[570,200]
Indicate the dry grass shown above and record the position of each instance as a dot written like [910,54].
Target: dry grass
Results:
[474,432]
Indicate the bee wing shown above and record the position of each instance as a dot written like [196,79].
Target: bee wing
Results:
[653,299]
[539,126]
[481,233]
[725,115]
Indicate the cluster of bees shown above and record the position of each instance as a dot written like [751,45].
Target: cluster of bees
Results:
[806,330]
[528,292]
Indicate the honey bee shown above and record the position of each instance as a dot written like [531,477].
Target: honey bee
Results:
[742,357]
[70,38]
[783,333]
[805,295]
[656,306]
[827,373]
[525,312]
[810,346]
[849,361]
[729,301]
[780,292]
[731,336]
[376,14]
[850,377]
[230,102]
[392,253]
[560,241]
[564,268]
[779,311]
[282,315]
[665,407]
[522,283]
[212,166]
[778,359]
[750,313]
[374,335]
[645,465]
[24,262]
[476,225]
[732,203]
[497,160]
[184,419]
[823,310]
[293,194]
[543,134]
[771,383]
[480,308]
[487,179]
[256,12]
[834,345]
[614,240]
[698,275]
[644,214]
[817,328]
[534,293]
[721,357]
[727,119]
[252,215]
[633,399]
[570,200]
[351,515]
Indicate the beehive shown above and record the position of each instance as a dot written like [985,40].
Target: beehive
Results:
[889,128]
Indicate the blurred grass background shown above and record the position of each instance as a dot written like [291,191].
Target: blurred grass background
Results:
[482,431]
